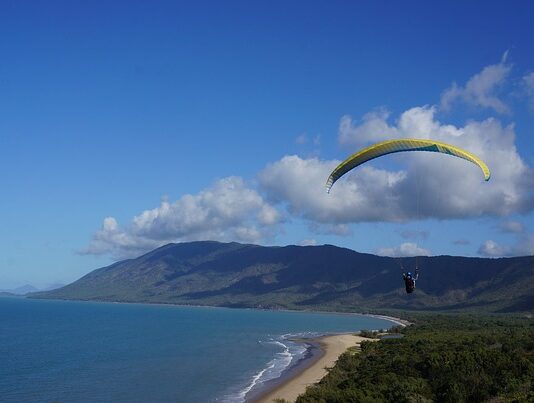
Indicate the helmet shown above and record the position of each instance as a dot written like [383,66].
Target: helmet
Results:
[409,274]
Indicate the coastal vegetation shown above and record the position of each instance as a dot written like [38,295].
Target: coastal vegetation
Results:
[441,358]
[370,334]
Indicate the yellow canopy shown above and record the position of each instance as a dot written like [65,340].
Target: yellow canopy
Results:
[395,146]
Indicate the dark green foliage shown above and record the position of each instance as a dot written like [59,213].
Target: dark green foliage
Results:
[443,359]
[370,334]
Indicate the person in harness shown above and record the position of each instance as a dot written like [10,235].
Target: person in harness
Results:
[409,280]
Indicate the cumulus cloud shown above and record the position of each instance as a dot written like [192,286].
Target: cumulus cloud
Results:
[373,127]
[229,210]
[404,250]
[428,185]
[113,240]
[481,90]
[299,184]
[414,186]
[491,249]
[523,244]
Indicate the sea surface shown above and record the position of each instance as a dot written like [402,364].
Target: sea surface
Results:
[68,351]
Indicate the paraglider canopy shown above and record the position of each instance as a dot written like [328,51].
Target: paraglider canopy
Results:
[395,146]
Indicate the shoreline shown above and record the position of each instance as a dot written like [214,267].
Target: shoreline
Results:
[321,351]
[309,370]
[314,352]
[396,320]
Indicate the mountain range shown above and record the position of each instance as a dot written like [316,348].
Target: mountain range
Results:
[322,277]
[28,288]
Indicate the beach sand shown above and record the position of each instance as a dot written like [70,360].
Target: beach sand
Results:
[332,347]
[397,321]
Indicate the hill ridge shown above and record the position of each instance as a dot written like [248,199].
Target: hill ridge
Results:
[323,277]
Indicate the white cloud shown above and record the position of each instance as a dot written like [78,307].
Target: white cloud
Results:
[428,185]
[373,127]
[111,239]
[417,122]
[491,249]
[481,89]
[299,183]
[308,242]
[404,250]
[424,185]
[228,210]
[524,246]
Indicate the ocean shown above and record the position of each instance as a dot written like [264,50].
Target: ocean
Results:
[70,351]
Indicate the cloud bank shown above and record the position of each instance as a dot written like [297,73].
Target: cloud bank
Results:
[227,211]
[398,188]
[428,185]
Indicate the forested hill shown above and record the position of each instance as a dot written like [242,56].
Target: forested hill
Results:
[306,277]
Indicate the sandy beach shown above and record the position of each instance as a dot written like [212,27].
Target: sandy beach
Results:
[332,347]
[397,321]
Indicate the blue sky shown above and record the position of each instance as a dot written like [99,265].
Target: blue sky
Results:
[127,125]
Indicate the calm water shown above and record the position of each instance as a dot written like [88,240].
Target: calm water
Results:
[62,351]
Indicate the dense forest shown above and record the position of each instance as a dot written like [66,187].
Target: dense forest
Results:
[440,358]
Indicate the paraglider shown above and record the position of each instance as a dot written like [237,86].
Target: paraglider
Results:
[395,146]
[400,145]
[410,279]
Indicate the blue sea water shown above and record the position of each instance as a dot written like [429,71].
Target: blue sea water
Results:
[68,351]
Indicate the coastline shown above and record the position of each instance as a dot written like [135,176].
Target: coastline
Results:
[397,321]
[314,352]
[321,352]
[309,370]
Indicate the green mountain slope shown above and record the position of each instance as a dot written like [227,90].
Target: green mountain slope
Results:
[306,277]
